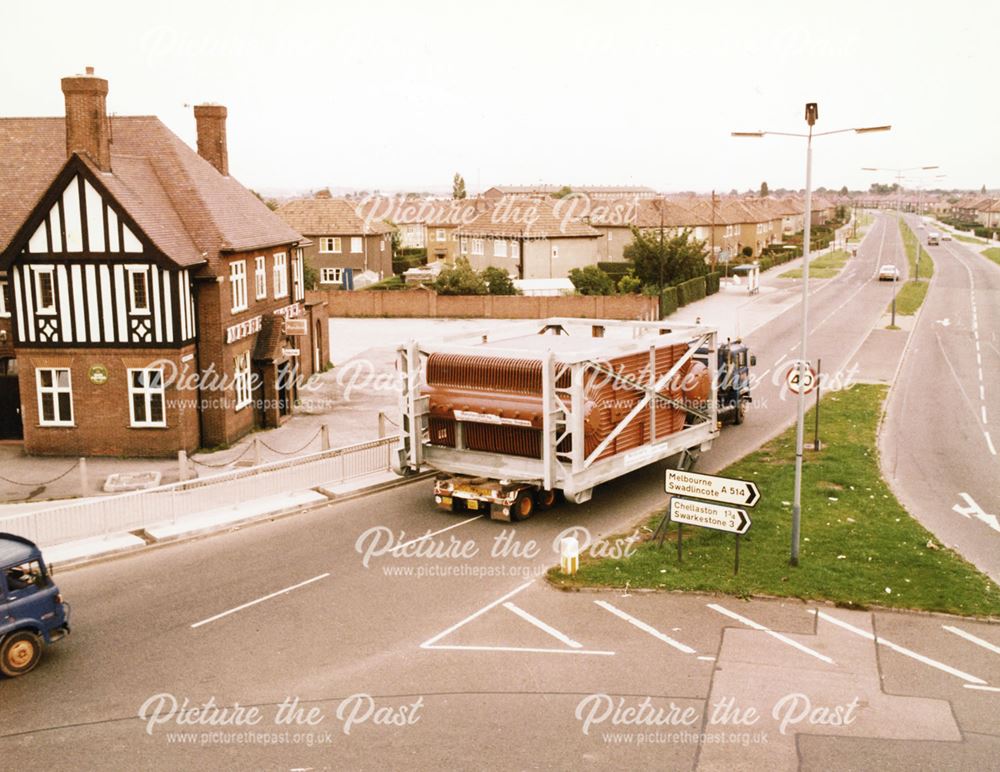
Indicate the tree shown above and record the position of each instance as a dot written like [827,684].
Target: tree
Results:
[498,281]
[310,276]
[458,186]
[629,284]
[460,279]
[564,191]
[591,280]
[747,251]
[665,260]
[763,189]
[270,203]
[844,191]
[983,191]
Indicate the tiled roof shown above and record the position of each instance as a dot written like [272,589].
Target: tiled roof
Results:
[328,217]
[180,201]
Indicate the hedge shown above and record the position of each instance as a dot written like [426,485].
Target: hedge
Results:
[401,262]
[615,270]
[668,302]
[691,290]
[711,283]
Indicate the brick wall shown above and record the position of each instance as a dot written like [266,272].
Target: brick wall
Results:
[101,411]
[424,303]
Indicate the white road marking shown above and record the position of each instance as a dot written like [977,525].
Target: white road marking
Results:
[426,536]
[645,628]
[542,625]
[972,638]
[707,659]
[492,604]
[259,600]
[901,650]
[989,441]
[772,633]
[982,688]
[971,509]
[450,647]
[983,408]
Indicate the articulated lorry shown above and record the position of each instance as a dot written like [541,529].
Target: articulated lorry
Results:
[516,418]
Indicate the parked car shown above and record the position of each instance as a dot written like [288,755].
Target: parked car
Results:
[888,273]
[32,611]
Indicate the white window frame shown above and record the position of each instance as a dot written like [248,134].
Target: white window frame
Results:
[241,380]
[357,246]
[440,235]
[238,286]
[148,393]
[515,249]
[464,245]
[39,271]
[330,245]
[134,271]
[280,275]
[479,246]
[381,245]
[54,391]
[499,248]
[4,313]
[260,277]
[338,276]
[298,276]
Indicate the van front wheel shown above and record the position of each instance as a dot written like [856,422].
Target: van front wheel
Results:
[19,653]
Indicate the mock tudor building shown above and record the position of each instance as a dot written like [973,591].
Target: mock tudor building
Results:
[152,302]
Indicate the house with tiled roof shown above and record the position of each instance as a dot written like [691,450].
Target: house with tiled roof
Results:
[341,243]
[592,191]
[531,238]
[154,303]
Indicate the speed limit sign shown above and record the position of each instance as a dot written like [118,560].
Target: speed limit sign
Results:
[800,383]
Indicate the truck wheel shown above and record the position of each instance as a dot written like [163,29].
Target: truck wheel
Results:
[547,499]
[741,411]
[19,653]
[523,507]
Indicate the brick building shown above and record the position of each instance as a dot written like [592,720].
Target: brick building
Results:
[149,297]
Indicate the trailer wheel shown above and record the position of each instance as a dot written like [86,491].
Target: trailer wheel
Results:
[19,653]
[547,499]
[523,507]
[740,413]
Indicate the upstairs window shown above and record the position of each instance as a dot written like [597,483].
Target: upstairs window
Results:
[45,290]
[478,246]
[356,246]
[238,284]
[439,235]
[260,277]
[329,244]
[3,300]
[280,275]
[138,281]
[499,248]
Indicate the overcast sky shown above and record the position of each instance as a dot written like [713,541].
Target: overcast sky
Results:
[391,94]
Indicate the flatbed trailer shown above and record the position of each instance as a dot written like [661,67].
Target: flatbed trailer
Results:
[515,417]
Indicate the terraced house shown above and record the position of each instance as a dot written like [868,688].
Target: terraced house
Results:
[152,302]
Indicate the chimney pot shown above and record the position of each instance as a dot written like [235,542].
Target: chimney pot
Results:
[211,123]
[87,129]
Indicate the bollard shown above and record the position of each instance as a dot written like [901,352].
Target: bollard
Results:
[569,558]
[324,437]
[83,477]
[182,465]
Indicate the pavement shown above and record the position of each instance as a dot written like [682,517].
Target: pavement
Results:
[941,436]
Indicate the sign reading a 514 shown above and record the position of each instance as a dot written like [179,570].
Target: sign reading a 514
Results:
[725,490]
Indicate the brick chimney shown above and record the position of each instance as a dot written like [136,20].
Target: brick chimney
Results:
[87,128]
[211,120]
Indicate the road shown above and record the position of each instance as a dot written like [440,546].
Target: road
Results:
[470,660]
[943,421]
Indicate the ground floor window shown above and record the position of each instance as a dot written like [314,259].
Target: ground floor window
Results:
[146,401]
[55,396]
[242,381]
[331,275]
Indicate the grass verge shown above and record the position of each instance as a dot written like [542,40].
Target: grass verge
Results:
[993,253]
[825,267]
[860,548]
[970,239]
[909,297]
[912,244]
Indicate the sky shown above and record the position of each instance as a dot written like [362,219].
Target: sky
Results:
[391,95]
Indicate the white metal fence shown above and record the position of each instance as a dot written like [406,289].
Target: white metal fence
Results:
[132,511]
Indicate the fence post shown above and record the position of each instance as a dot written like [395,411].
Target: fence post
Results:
[256,451]
[324,437]
[83,477]
[381,424]
[182,465]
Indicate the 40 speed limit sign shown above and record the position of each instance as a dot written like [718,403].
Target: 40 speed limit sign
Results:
[800,383]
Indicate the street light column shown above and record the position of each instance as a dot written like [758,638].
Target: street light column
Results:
[800,423]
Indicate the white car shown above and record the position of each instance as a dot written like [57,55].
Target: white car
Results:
[888,273]
[946,236]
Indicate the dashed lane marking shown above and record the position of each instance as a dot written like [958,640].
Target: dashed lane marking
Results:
[783,638]
[645,627]
[899,649]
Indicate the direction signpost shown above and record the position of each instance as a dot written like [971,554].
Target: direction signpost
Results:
[703,500]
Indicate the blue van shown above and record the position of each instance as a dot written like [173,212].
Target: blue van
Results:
[31,609]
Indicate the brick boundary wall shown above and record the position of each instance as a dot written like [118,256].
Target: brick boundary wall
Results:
[424,303]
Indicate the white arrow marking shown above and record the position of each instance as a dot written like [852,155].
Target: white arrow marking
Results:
[944,322]
[974,510]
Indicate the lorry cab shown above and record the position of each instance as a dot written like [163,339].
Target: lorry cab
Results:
[734,363]
[32,612]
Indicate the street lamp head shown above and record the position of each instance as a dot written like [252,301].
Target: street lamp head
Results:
[869,169]
[870,129]
[812,112]
[747,133]
[930,167]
